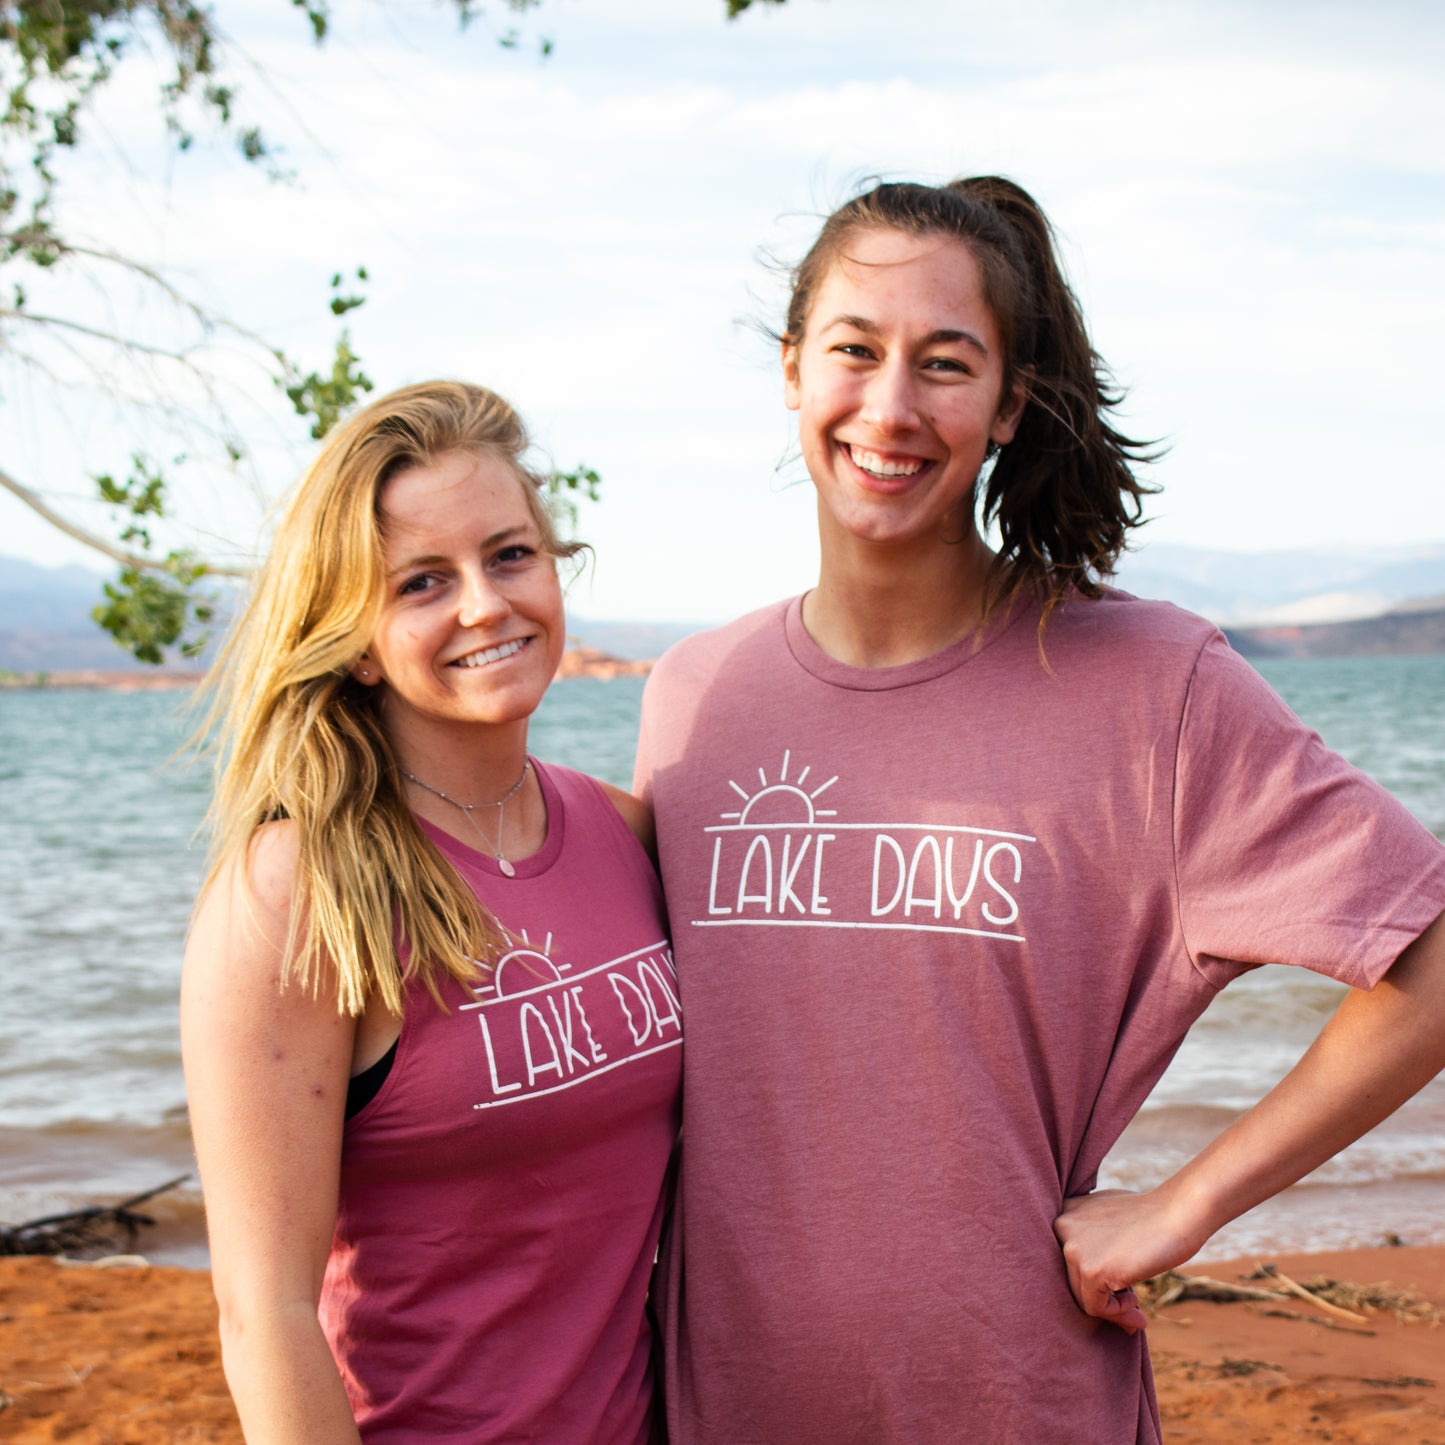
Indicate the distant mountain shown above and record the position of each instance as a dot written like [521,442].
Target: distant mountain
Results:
[642,641]
[46,626]
[54,599]
[1268,601]
[45,621]
[1404,630]
[1284,587]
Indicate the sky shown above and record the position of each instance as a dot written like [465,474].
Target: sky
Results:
[1250,196]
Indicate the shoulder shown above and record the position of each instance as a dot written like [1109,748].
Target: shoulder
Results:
[270,864]
[1123,615]
[262,872]
[635,813]
[704,653]
[1154,635]
[582,788]
[1171,642]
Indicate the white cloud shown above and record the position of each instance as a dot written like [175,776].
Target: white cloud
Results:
[1250,197]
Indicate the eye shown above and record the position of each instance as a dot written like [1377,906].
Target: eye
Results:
[948,365]
[514,555]
[855,349]
[413,586]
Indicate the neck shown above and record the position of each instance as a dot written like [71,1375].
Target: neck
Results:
[882,606]
[492,806]
[469,762]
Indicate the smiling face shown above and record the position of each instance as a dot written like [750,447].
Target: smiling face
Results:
[471,627]
[897,380]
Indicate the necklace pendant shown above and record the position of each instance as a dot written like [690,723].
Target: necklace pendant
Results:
[507,869]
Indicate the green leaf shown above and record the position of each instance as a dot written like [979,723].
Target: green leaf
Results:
[326,399]
[565,489]
[340,305]
[147,611]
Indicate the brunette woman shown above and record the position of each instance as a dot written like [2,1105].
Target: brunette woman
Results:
[956,847]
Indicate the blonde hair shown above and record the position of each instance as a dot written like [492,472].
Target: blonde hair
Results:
[297,737]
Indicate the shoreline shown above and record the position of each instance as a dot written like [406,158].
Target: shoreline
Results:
[46,1175]
[87,1348]
[577,661]
[99,680]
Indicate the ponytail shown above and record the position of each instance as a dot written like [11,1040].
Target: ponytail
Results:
[1062,493]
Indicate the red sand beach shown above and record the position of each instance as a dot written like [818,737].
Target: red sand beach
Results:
[127,1355]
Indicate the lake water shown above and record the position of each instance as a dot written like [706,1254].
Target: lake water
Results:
[98,868]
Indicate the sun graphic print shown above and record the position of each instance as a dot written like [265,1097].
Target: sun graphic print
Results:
[523,968]
[771,798]
[545,1025]
[782,860]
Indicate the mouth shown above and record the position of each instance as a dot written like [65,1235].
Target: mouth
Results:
[483,656]
[884,469]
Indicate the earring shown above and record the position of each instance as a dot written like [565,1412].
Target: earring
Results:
[991,451]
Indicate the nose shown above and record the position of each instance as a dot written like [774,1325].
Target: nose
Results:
[890,403]
[481,602]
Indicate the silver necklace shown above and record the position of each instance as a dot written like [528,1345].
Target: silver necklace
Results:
[470,808]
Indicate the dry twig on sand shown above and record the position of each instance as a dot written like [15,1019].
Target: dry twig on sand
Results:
[1365,1299]
[1337,1298]
[1270,1271]
[97,1227]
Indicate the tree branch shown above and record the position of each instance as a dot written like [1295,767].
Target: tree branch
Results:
[208,321]
[116,553]
[95,333]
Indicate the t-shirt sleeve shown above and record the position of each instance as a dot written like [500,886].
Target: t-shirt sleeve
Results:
[1284,852]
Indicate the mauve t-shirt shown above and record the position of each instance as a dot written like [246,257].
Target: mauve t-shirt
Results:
[939,928]
[501,1195]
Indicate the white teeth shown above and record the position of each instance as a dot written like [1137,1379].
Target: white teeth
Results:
[877,466]
[491,654]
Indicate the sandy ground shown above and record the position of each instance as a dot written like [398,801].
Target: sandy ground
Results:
[126,1355]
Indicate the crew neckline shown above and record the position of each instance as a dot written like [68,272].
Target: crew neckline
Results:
[530,867]
[812,659]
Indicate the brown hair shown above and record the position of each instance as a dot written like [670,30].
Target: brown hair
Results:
[298,737]
[1062,492]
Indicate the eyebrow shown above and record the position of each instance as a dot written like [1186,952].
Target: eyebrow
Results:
[433,559]
[945,333]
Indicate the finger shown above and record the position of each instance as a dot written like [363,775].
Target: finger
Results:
[1121,1307]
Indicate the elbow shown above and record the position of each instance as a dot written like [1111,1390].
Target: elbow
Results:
[251,1323]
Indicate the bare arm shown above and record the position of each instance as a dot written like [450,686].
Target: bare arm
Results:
[1380,1048]
[266,1075]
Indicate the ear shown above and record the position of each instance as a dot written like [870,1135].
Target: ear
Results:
[792,385]
[1010,412]
[366,672]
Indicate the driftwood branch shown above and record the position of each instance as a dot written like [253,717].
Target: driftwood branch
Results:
[98,1226]
[1270,1271]
[1164,1289]
[139,560]
[1342,1301]
[1324,1324]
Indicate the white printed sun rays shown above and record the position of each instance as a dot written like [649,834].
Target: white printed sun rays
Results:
[776,791]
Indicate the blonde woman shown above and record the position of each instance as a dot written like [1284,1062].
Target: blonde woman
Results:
[429,1020]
